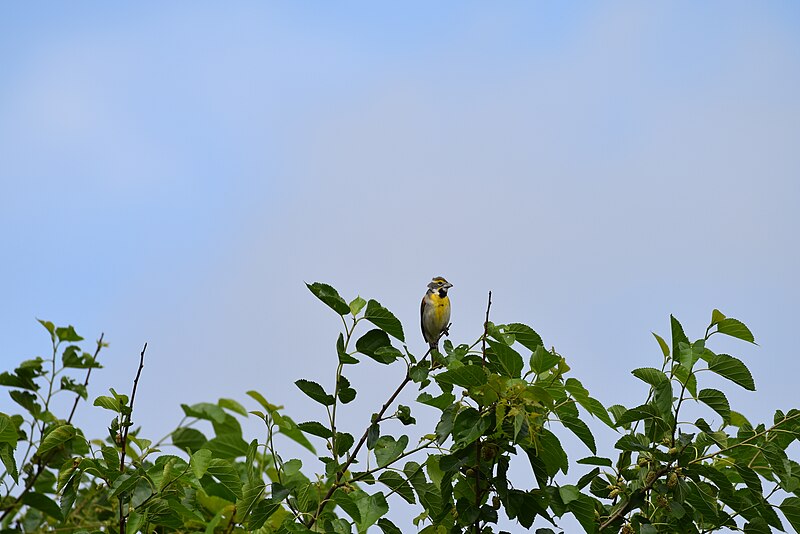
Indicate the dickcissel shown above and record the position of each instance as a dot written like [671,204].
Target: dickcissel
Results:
[435,311]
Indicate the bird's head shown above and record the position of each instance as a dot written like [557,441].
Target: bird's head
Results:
[440,285]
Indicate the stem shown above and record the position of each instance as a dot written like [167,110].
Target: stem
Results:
[43,461]
[332,413]
[50,385]
[479,442]
[86,380]
[352,456]
[124,441]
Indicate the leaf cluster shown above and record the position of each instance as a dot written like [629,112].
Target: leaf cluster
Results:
[502,401]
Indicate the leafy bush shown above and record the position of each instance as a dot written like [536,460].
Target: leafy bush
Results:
[667,474]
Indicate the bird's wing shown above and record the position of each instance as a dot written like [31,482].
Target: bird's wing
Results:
[422,318]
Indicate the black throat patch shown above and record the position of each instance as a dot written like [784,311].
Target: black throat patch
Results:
[442,293]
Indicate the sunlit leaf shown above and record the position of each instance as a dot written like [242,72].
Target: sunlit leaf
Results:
[735,328]
[57,437]
[525,335]
[662,344]
[398,484]
[505,360]
[650,375]
[733,369]
[717,401]
[356,305]
[384,319]
[315,391]
[329,296]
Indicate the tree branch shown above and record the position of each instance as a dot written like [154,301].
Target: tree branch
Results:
[343,469]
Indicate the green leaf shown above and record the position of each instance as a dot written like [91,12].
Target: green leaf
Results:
[387,449]
[704,504]
[289,429]
[543,360]
[525,335]
[717,401]
[259,398]
[441,402]
[466,377]
[108,403]
[677,336]
[662,344]
[791,510]
[581,430]
[199,462]
[315,428]
[384,319]
[750,478]
[596,460]
[644,411]
[8,431]
[373,434]
[374,343]
[43,503]
[50,328]
[403,415]
[662,398]
[506,361]
[343,443]
[188,439]
[205,411]
[346,393]
[388,527]
[688,354]
[73,358]
[344,357]
[329,296]
[233,406]
[356,305]
[57,437]
[262,511]
[583,510]
[228,446]
[346,502]
[371,507]
[650,375]
[548,449]
[733,369]
[125,483]
[568,493]
[226,473]
[398,484]
[315,391]
[468,426]
[67,334]
[251,493]
[69,492]
[629,442]
[716,317]
[7,457]
[734,328]
[591,405]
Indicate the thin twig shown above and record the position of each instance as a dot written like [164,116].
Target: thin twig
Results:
[479,442]
[126,424]
[42,462]
[86,380]
[341,471]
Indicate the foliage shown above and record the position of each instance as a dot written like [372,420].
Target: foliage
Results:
[501,397]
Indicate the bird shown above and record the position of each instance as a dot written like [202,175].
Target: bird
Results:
[435,311]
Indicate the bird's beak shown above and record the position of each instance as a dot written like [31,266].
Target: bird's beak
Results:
[448,285]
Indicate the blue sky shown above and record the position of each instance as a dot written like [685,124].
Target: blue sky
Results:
[173,173]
